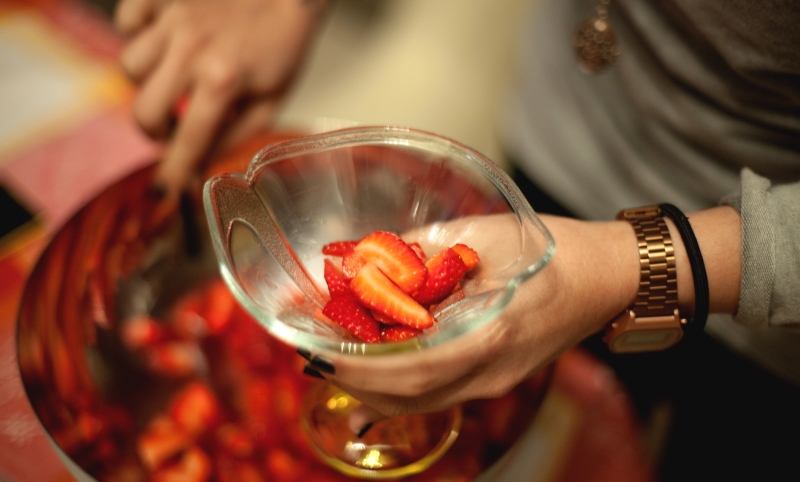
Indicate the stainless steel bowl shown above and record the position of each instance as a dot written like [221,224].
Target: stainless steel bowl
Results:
[129,256]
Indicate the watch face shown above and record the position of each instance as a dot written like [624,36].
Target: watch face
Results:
[645,340]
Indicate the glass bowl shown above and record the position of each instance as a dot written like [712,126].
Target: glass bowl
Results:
[268,227]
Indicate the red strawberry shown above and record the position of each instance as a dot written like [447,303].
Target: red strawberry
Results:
[418,249]
[445,270]
[174,359]
[234,440]
[162,439]
[398,333]
[220,305]
[396,259]
[352,262]
[383,319]
[338,284]
[377,292]
[339,248]
[142,331]
[468,255]
[192,466]
[347,312]
[195,408]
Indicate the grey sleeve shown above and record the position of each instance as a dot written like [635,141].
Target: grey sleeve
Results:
[770,288]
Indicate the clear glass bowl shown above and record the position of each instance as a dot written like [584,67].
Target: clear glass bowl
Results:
[269,225]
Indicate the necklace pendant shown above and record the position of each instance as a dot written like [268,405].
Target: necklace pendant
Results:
[595,45]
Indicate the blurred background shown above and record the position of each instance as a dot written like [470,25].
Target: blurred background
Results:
[439,66]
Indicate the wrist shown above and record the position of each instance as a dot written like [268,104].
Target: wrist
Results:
[598,268]
[719,236]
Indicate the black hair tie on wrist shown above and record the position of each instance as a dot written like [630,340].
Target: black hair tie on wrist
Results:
[698,321]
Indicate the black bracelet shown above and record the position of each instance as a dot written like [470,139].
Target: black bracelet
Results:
[698,321]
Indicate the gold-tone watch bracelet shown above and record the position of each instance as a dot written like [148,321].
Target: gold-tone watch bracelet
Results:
[658,283]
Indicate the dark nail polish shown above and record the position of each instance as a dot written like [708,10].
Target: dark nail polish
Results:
[307,370]
[323,364]
[364,430]
[156,192]
[191,231]
[304,353]
[172,126]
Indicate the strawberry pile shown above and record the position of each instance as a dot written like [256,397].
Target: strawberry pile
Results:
[233,412]
[383,289]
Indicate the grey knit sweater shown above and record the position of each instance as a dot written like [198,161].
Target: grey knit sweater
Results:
[703,108]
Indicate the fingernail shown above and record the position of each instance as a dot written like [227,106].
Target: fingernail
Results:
[304,353]
[364,430]
[307,370]
[191,232]
[172,126]
[323,364]
[156,192]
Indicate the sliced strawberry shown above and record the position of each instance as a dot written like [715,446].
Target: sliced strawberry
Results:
[418,249]
[161,440]
[383,319]
[142,331]
[445,270]
[174,359]
[352,262]
[234,440]
[457,295]
[255,406]
[282,465]
[234,469]
[339,248]
[468,255]
[220,304]
[395,258]
[195,408]
[338,283]
[192,466]
[187,315]
[398,333]
[377,292]
[347,312]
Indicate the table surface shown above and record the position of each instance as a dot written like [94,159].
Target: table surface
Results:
[66,133]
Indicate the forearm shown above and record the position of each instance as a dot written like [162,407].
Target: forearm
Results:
[598,265]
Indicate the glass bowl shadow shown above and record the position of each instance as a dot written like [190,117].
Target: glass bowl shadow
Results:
[269,225]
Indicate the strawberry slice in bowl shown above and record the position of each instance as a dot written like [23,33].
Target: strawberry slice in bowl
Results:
[468,255]
[338,283]
[339,248]
[395,258]
[378,293]
[346,311]
[445,271]
[395,333]
[392,284]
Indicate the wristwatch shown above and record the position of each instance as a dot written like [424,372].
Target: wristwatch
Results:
[653,322]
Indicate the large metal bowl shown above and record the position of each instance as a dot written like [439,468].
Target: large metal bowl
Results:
[129,256]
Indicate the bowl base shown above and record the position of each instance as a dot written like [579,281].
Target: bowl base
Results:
[391,448]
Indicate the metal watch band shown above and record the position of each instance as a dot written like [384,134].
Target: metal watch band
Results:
[658,283]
